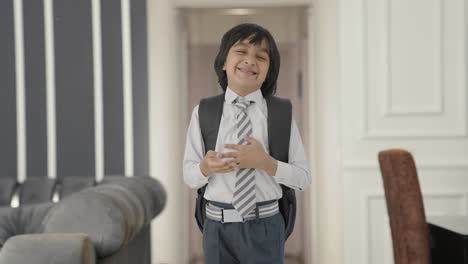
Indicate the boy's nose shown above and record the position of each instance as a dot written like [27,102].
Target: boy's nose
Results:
[249,62]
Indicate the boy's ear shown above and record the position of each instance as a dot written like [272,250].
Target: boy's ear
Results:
[224,66]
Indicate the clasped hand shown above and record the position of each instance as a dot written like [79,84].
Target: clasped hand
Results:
[245,156]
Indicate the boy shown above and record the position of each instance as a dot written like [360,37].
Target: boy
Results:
[243,223]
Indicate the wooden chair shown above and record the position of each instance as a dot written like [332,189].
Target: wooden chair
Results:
[405,207]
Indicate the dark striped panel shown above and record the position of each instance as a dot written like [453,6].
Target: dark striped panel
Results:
[35,88]
[140,87]
[112,87]
[74,88]
[8,150]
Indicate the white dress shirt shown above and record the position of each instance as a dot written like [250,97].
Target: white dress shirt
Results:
[294,174]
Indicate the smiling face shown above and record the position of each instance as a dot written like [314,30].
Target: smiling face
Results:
[246,66]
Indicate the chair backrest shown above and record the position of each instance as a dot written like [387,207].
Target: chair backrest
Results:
[405,207]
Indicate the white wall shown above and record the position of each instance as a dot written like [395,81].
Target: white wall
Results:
[403,84]
[169,241]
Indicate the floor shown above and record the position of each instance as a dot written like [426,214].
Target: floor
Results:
[287,260]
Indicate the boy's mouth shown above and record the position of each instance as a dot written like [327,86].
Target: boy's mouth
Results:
[247,71]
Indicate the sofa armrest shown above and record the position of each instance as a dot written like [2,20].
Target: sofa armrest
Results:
[48,249]
[111,214]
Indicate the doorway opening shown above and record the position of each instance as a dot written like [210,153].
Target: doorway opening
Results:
[203,29]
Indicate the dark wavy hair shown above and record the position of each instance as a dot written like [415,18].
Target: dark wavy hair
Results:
[257,34]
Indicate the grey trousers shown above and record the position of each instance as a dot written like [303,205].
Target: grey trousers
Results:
[258,241]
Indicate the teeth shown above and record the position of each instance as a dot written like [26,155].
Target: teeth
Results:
[247,71]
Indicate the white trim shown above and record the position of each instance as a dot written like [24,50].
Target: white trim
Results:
[328,241]
[167,130]
[424,165]
[184,119]
[438,107]
[127,87]
[312,141]
[50,88]
[381,134]
[20,91]
[239,3]
[98,100]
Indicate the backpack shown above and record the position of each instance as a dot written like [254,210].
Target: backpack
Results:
[279,127]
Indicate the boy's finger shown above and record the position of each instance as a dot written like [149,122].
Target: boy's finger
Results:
[233,146]
[216,157]
[224,170]
[215,164]
[229,155]
[250,139]
[227,168]
[211,153]
[219,164]
[233,166]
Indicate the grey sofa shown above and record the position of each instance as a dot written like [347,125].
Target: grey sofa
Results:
[104,223]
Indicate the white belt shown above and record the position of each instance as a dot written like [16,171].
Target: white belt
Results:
[223,215]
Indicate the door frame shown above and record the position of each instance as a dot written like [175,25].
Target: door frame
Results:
[167,88]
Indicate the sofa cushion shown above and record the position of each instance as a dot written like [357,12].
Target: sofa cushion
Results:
[7,224]
[36,190]
[7,187]
[22,220]
[73,184]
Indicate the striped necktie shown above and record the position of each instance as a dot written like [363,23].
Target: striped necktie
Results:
[244,191]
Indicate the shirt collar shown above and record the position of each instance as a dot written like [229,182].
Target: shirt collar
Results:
[255,96]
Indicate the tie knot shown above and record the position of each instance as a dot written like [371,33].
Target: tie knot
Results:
[242,103]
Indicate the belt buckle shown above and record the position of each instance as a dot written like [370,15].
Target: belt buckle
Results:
[231,216]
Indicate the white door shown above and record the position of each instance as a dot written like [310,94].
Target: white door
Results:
[403,85]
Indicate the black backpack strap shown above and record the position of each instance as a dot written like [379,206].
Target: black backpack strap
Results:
[210,111]
[279,133]
[279,127]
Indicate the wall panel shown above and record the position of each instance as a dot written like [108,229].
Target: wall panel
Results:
[140,90]
[8,152]
[35,88]
[112,87]
[74,88]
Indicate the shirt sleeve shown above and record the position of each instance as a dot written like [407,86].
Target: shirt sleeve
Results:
[194,153]
[294,174]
